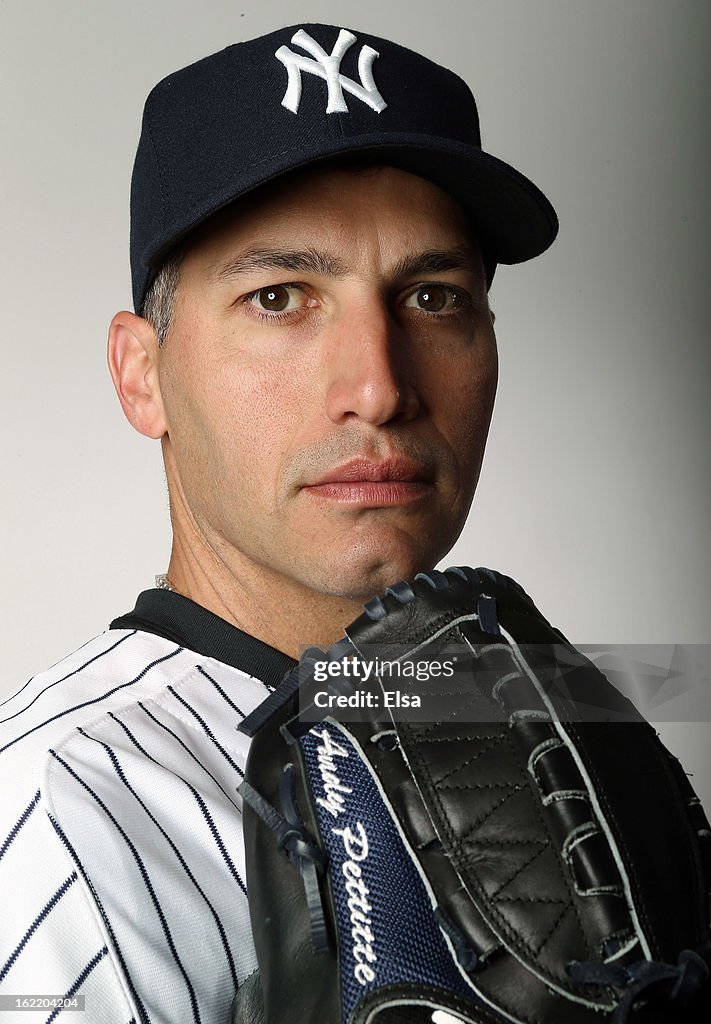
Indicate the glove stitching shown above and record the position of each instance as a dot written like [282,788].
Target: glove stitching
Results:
[423,738]
[563,877]
[495,894]
[461,840]
[444,823]
[556,924]
[461,692]
[469,761]
[530,899]
[482,785]
[472,699]
[514,937]
[521,842]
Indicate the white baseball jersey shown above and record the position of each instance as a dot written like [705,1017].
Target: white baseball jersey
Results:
[121,850]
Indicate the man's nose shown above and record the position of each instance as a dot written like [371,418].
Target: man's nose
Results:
[370,368]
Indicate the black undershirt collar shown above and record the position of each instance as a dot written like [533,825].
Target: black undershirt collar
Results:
[181,620]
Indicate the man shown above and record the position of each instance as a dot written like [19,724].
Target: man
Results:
[314,229]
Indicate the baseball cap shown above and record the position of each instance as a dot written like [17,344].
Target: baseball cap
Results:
[225,125]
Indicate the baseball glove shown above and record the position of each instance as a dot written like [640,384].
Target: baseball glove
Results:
[452,816]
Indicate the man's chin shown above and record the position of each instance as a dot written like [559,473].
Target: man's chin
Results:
[359,579]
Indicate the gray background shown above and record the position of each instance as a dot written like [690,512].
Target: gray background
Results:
[595,490]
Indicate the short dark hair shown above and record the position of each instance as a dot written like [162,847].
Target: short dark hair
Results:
[159,303]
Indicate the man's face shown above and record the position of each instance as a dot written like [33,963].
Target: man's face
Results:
[328,380]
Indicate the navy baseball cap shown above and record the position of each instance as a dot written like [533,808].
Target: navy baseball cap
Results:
[256,110]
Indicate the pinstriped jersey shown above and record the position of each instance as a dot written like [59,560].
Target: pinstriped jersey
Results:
[121,852]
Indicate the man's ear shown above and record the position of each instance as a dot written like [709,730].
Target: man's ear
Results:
[133,364]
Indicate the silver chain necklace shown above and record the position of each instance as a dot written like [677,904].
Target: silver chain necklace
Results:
[163,583]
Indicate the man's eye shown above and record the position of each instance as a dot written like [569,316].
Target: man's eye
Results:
[434,298]
[278,298]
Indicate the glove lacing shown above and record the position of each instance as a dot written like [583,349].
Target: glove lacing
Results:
[299,847]
[672,983]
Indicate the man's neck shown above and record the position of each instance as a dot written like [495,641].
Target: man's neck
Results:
[267,605]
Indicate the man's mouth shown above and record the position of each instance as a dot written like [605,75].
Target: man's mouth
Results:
[394,481]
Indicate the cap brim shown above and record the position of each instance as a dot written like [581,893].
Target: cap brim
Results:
[513,219]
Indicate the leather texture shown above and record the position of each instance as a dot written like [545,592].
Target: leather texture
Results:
[248,1003]
[567,856]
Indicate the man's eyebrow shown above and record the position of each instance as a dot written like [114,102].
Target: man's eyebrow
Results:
[438,261]
[313,261]
[305,261]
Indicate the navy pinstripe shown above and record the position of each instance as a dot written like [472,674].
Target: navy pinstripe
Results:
[188,751]
[137,852]
[221,692]
[220,844]
[119,771]
[79,982]
[36,923]
[146,879]
[96,700]
[205,812]
[208,732]
[143,1015]
[91,661]
[18,825]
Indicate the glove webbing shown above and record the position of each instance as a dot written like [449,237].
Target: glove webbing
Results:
[298,846]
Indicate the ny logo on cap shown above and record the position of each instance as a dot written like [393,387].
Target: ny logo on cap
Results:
[328,65]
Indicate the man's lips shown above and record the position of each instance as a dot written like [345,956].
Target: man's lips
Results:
[376,472]
[365,482]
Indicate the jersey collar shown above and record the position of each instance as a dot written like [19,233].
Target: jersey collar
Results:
[177,618]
